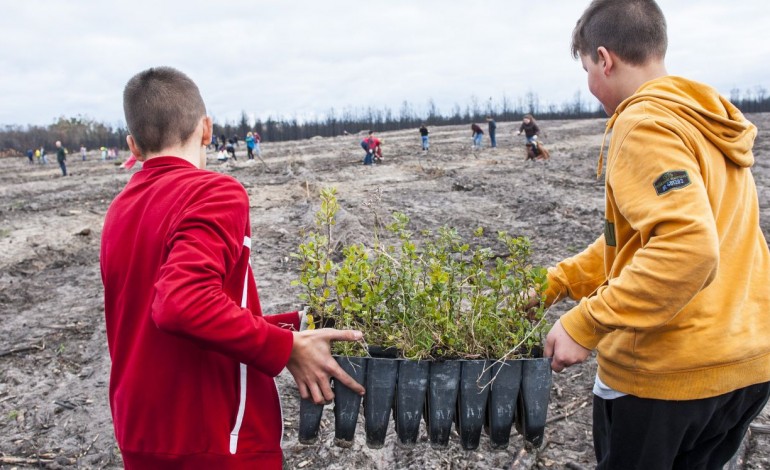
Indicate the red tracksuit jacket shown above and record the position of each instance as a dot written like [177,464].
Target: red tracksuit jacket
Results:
[193,359]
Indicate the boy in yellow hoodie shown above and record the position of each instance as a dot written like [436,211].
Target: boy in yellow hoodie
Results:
[673,295]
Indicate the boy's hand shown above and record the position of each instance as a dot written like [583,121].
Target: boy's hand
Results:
[563,349]
[312,365]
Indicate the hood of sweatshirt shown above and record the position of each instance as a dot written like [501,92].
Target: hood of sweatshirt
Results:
[713,115]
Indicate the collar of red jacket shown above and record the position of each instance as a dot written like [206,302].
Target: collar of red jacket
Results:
[166,160]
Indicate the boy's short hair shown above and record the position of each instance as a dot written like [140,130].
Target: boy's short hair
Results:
[635,30]
[163,107]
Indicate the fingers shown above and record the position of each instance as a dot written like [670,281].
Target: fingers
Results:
[315,394]
[332,368]
[321,392]
[566,355]
[561,361]
[548,352]
[312,365]
[316,388]
[326,390]
[331,334]
[303,391]
[563,350]
[319,386]
[347,380]
[557,365]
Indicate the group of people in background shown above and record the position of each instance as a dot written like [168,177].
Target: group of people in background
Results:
[226,147]
[528,127]
[40,155]
[37,155]
[220,143]
[477,134]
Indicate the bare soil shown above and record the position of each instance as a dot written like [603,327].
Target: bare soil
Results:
[54,363]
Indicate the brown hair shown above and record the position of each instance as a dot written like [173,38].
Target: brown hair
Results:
[163,107]
[635,30]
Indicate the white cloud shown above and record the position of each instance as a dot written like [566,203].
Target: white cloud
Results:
[303,58]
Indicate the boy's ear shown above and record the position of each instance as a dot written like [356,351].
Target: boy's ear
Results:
[606,60]
[134,148]
[207,131]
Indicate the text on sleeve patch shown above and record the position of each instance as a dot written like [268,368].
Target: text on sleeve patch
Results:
[670,181]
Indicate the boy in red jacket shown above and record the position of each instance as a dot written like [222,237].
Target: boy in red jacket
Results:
[193,358]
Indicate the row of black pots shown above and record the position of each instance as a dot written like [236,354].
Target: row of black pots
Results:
[474,395]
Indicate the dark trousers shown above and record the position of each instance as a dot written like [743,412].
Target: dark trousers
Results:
[63,167]
[640,433]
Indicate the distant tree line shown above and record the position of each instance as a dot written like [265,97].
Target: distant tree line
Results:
[73,132]
[80,130]
[407,117]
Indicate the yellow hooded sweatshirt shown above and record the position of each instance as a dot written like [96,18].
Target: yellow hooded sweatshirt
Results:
[674,295]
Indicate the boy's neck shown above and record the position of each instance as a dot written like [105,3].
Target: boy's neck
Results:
[194,156]
[634,76]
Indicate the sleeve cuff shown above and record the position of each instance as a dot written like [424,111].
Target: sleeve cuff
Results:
[581,327]
[273,358]
[288,321]
[554,291]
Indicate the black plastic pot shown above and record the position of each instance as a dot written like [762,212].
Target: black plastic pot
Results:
[472,401]
[309,421]
[442,400]
[503,394]
[533,399]
[346,401]
[380,386]
[411,391]
[442,392]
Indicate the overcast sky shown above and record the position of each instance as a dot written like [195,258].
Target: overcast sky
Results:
[302,58]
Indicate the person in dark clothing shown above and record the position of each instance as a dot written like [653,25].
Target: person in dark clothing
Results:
[530,130]
[492,128]
[424,136]
[231,148]
[477,135]
[61,157]
[31,156]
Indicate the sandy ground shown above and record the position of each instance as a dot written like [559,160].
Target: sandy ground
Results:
[54,364]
